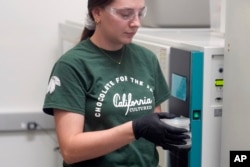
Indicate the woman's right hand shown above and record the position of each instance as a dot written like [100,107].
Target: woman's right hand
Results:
[156,131]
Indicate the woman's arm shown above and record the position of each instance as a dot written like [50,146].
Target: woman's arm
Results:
[76,145]
[157,108]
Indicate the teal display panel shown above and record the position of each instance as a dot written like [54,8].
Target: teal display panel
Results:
[179,87]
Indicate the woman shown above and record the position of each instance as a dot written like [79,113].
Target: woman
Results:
[106,92]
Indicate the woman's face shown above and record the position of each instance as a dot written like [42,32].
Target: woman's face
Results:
[120,20]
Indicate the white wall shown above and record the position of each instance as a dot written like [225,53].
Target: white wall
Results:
[29,149]
[235,120]
[29,46]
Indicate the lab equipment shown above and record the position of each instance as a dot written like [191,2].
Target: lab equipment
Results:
[192,61]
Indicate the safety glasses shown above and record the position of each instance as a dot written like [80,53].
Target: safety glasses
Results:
[127,14]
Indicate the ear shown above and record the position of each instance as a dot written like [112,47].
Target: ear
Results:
[96,13]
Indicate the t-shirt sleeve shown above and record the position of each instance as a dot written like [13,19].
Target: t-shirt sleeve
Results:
[161,92]
[65,90]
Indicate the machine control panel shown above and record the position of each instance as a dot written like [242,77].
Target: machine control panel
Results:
[217,71]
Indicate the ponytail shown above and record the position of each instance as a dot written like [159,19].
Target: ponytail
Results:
[86,34]
[89,27]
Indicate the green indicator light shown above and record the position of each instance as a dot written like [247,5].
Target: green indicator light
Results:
[196,114]
[219,82]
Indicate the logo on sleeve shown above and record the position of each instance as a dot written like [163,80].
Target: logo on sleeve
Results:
[54,81]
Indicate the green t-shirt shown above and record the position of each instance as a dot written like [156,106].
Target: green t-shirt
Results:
[87,81]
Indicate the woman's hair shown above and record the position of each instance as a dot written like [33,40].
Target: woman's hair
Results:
[91,5]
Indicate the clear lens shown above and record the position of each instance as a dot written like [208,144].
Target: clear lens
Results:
[127,13]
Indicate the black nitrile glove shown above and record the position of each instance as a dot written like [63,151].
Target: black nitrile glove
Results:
[156,131]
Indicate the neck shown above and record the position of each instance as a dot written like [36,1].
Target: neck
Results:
[105,44]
